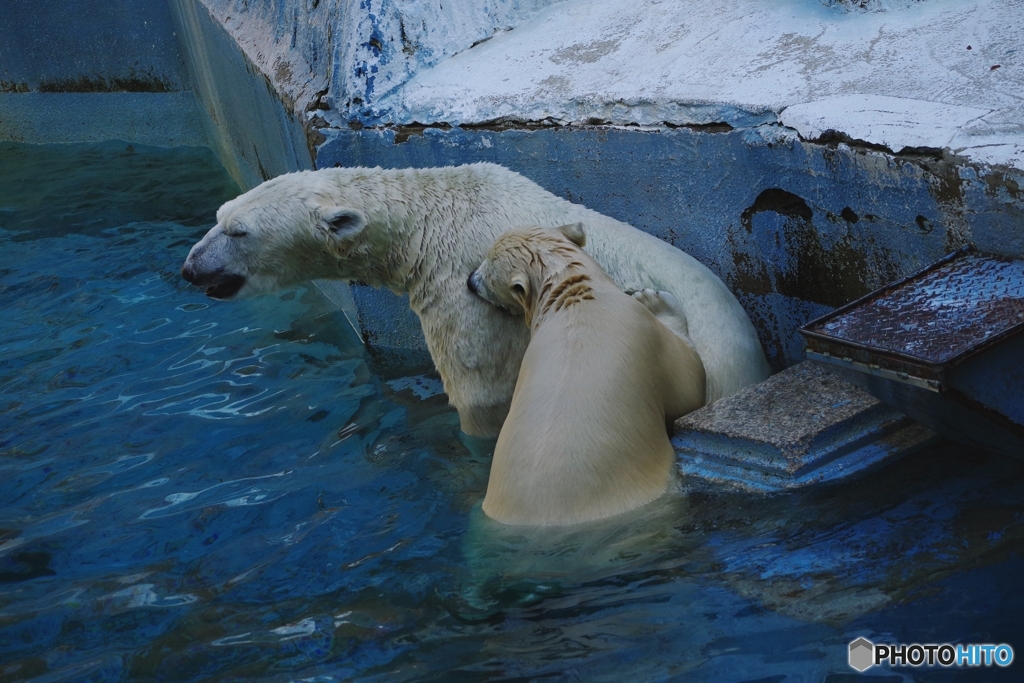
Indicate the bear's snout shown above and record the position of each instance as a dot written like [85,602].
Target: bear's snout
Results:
[218,284]
[472,282]
[188,272]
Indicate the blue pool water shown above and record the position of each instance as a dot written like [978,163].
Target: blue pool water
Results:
[204,491]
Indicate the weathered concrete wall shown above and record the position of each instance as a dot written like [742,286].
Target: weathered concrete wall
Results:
[253,131]
[162,119]
[794,228]
[89,46]
[87,70]
[90,70]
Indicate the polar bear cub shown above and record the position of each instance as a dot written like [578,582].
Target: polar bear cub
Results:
[601,382]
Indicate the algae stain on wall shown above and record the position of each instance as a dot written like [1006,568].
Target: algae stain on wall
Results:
[823,261]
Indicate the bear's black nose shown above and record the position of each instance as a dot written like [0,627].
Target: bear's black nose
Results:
[471,284]
[187,272]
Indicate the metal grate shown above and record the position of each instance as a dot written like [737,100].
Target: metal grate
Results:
[949,310]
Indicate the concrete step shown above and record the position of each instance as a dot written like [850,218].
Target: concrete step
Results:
[802,426]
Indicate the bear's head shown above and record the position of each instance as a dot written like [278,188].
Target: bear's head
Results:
[288,230]
[517,264]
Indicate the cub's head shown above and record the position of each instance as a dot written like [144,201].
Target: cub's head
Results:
[514,270]
[288,230]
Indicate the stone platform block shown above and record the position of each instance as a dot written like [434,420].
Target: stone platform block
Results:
[801,426]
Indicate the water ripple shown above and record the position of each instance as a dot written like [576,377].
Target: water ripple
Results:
[235,493]
[144,595]
[47,525]
[122,464]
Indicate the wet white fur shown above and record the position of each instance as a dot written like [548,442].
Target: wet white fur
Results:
[587,434]
[422,231]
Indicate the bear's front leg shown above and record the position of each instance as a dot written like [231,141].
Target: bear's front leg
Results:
[476,347]
[479,365]
[482,421]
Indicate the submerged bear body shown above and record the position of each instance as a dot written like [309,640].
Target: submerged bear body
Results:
[602,378]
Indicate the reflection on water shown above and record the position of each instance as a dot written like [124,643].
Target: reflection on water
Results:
[194,490]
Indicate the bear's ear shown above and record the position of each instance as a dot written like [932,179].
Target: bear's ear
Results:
[343,222]
[575,232]
[519,286]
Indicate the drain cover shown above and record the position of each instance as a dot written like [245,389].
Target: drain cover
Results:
[943,346]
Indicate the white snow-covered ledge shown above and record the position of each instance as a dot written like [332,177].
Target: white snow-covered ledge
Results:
[939,74]
[870,5]
[899,123]
[895,122]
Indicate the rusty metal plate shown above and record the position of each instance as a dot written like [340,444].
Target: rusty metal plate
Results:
[938,316]
[942,346]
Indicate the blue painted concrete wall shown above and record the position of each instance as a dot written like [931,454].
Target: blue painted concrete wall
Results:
[254,134]
[794,228]
[84,70]
[89,46]
[163,119]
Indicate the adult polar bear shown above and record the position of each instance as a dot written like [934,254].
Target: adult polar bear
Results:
[422,232]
